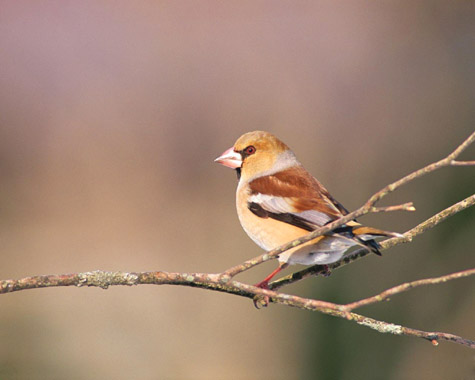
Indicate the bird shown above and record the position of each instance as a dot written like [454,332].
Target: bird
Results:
[278,200]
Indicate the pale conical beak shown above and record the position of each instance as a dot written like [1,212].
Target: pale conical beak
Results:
[230,158]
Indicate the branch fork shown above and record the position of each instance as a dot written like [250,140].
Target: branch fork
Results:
[224,282]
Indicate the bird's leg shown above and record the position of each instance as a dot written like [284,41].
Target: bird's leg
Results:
[263,301]
[264,284]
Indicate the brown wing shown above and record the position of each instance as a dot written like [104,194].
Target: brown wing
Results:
[294,191]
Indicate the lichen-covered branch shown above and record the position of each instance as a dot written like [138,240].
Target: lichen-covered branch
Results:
[103,279]
[223,282]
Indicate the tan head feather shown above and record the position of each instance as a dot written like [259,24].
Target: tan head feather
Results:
[269,154]
[262,140]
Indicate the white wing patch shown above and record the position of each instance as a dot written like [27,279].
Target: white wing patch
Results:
[315,217]
[278,205]
[283,205]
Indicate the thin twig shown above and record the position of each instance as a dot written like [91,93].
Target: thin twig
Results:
[447,161]
[407,286]
[409,206]
[462,163]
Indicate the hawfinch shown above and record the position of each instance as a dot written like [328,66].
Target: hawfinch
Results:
[278,201]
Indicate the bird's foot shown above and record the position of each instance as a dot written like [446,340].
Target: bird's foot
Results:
[263,285]
[326,272]
[259,300]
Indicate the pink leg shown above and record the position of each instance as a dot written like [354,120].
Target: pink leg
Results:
[264,284]
[263,301]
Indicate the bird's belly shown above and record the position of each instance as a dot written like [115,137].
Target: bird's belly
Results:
[269,233]
[327,250]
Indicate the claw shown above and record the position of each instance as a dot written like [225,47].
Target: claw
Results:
[261,301]
[326,272]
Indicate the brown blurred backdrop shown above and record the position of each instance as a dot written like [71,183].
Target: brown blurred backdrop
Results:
[111,114]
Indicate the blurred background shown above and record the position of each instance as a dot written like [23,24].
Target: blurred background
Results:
[111,114]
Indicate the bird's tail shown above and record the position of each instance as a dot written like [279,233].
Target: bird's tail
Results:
[362,230]
[365,235]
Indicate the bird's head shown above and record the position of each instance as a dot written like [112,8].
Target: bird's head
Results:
[257,153]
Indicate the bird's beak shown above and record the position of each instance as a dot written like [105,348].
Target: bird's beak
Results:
[230,158]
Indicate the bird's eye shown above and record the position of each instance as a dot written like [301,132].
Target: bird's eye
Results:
[250,150]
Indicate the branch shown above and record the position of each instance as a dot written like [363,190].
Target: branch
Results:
[367,208]
[223,282]
[409,206]
[105,279]
[462,163]
[407,286]
[359,253]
